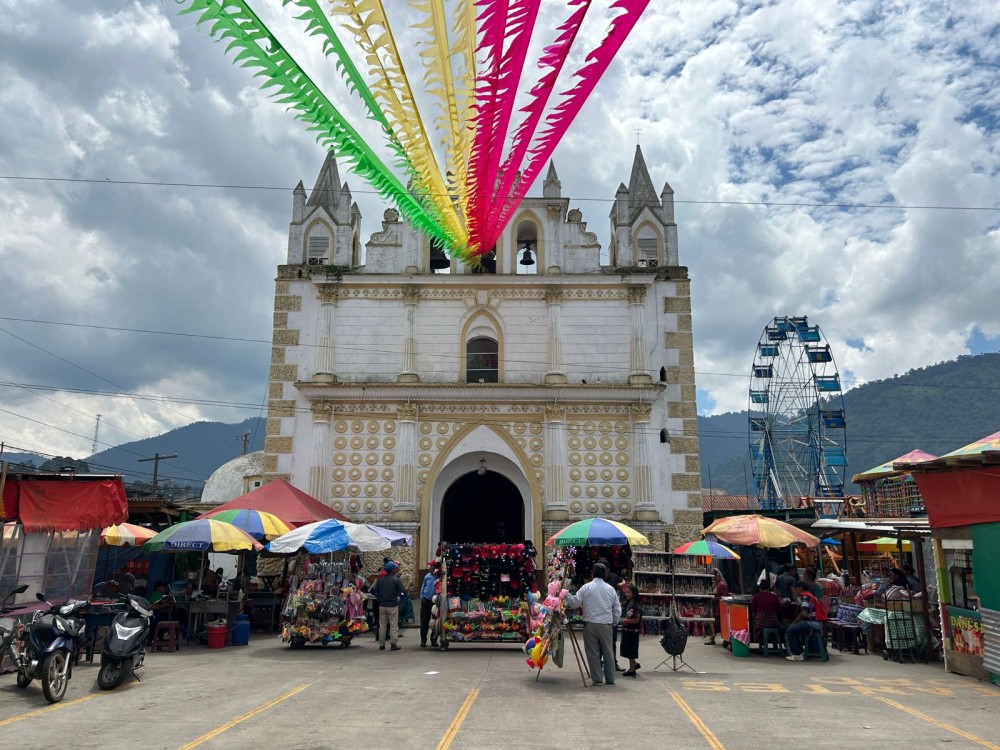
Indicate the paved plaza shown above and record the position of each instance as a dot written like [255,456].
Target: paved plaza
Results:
[267,696]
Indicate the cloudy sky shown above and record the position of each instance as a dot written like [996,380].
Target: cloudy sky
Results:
[782,127]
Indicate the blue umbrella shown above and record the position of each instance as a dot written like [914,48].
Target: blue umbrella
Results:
[831,542]
[318,538]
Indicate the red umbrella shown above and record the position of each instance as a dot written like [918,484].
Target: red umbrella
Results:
[279,498]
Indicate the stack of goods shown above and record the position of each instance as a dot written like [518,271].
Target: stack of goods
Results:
[501,618]
[619,559]
[488,571]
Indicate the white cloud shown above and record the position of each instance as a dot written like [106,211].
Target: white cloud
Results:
[780,102]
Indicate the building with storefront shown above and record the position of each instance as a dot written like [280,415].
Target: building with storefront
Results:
[495,403]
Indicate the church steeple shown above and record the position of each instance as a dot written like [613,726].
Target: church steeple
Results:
[326,192]
[641,192]
[552,188]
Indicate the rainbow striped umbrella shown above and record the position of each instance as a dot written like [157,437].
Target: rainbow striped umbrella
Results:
[596,531]
[202,535]
[257,523]
[705,548]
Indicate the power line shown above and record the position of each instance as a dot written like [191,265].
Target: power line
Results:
[345,348]
[764,203]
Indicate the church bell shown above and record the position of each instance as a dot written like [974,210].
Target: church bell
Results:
[526,259]
[439,260]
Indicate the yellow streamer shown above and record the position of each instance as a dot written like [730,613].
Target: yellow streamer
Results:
[392,89]
[465,45]
[436,58]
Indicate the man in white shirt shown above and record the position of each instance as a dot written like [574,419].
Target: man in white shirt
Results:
[601,611]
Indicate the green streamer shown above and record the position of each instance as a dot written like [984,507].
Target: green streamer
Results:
[259,49]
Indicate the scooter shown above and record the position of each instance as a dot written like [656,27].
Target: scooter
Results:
[125,644]
[9,627]
[50,647]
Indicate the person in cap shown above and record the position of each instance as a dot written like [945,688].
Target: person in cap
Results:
[428,590]
[387,590]
[601,611]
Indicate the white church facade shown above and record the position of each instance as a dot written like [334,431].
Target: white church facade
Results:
[493,404]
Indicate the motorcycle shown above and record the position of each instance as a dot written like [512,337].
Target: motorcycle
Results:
[50,646]
[125,644]
[9,628]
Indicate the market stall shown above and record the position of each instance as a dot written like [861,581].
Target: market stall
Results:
[484,593]
[325,603]
[960,490]
[214,615]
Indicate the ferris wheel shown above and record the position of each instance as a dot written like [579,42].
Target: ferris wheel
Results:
[798,431]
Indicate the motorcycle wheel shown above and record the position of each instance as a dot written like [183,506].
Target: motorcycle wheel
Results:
[113,673]
[54,682]
[23,679]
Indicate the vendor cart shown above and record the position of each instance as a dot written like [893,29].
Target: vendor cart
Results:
[484,594]
[323,607]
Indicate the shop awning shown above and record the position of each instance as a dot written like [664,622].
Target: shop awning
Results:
[907,528]
[960,497]
[78,503]
[887,469]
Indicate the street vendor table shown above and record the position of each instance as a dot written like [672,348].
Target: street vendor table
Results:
[198,609]
[264,608]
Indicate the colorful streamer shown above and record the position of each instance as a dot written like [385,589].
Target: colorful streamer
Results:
[473,62]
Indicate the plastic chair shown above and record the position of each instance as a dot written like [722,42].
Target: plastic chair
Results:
[816,646]
[167,635]
[775,634]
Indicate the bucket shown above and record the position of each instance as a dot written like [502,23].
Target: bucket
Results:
[241,631]
[739,648]
[216,636]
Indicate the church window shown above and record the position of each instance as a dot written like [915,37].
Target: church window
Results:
[648,248]
[482,359]
[319,250]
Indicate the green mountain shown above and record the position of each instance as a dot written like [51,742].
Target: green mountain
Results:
[937,409]
[201,448]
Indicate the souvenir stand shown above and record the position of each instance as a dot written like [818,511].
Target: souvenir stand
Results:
[577,548]
[324,604]
[484,593]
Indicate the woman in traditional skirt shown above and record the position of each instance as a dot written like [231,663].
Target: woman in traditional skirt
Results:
[629,627]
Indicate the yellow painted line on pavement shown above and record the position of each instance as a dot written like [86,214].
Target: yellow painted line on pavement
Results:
[230,724]
[53,707]
[711,739]
[456,723]
[935,722]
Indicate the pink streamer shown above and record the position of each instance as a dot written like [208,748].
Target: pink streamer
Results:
[559,120]
[521,20]
[553,57]
[492,27]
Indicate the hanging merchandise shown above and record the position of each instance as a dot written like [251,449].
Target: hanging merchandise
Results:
[325,604]
[484,593]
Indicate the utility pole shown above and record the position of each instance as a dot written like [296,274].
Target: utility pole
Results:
[246,442]
[156,464]
[93,447]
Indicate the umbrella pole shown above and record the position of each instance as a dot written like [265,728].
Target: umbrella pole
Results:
[201,570]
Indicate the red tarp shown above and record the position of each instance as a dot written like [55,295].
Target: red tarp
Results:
[279,498]
[961,497]
[78,504]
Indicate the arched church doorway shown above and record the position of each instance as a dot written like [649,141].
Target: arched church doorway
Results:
[482,508]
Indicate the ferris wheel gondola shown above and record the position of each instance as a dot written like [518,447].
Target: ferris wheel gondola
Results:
[797,426]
